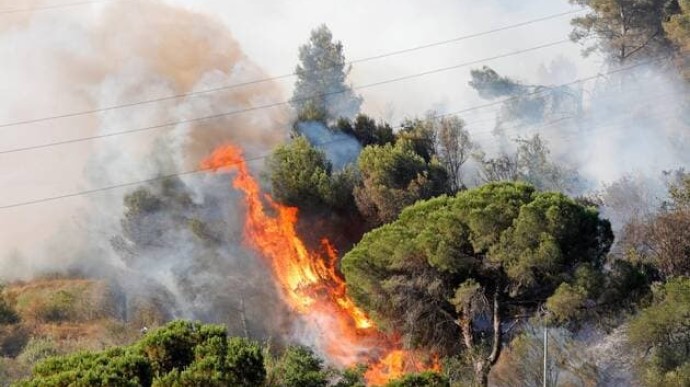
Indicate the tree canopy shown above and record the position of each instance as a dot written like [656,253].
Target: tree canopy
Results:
[394,177]
[661,333]
[301,175]
[624,30]
[321,90]
[180,353]
[490,251]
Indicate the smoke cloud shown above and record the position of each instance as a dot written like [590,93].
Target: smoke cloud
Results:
[341,149]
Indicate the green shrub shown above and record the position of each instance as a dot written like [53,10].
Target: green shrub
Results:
[298,366]
[178,354]
[424,379]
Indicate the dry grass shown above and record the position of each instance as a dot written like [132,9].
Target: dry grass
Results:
[67,315]
[62,300]
[75,314]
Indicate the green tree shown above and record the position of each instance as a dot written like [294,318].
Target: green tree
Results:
[301,176]
[366,130]
[298,366]
[178,354]
[352,377]
[299,173]
[115,367]
[528,104]
[678,190]
[245,362]
[394,177]
[420,133]
[424,379]
[677,28]
[321,90]
[662,334]
[624,30]
[490,251]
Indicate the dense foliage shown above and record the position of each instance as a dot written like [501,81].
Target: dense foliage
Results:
[394,177]
[661,333]
[302,176]
[180,353]
[497,250]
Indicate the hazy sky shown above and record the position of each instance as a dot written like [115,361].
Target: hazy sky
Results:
[47,56]
[271,31]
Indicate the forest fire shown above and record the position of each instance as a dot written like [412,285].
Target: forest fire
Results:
[310,282]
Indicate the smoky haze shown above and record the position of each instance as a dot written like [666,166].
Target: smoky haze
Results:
[630,127]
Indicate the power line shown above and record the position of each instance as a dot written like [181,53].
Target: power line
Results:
[171,175]
[200,170]
[284,76]
[543,90]
[657,97]
[55,6]
[608,124]
[130,184]
[283,103]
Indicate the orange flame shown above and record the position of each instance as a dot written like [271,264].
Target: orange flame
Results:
[309,279]
[397,363]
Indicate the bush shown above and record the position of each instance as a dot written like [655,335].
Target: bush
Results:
[37,349]
[424,379]
[60,307]
[173,346]
[178,354]
[298,366]
[245,362]
[116,367]
[8,315]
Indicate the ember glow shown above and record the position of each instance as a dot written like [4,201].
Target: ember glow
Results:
[309,280]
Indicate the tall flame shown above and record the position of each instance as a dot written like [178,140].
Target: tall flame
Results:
[309,280]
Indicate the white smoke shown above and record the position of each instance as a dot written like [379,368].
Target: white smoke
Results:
[340,148]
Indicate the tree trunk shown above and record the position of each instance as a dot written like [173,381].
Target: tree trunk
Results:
[496,345]
[481,373]
[483,365]
[465,323]
[623,32]
[243,317]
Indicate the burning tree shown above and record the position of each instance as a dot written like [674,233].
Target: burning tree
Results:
[310,282]
[451,271]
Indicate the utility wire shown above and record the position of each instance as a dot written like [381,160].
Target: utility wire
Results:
[249,159]
[201,170]
[610,126]
[55,6]
[283,103]
[285,76]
